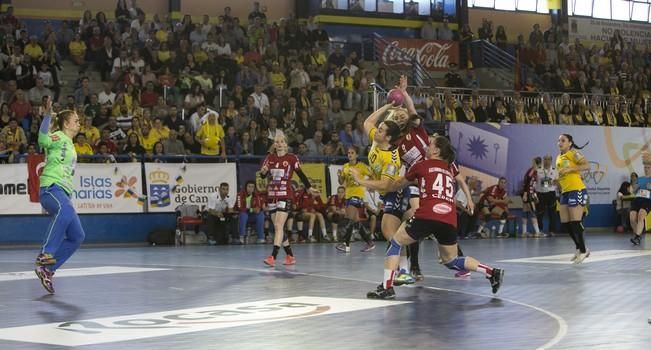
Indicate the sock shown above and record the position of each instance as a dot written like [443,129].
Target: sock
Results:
[481,227]
[334,234]
[524,226]
[459,252]
[366,236]
[288,250]
[309,233]
[567,227]
[404,263]
[536,229]
[500,230]
[485,269]
[577,229]
[388,278]
[413,254]
[275,251]
[349,233]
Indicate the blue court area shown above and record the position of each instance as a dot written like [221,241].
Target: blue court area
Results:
[225,298]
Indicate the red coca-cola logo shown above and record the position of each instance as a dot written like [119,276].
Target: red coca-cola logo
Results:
[432,55]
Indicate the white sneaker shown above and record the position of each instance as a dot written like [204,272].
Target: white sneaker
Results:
[576,255]
[582,256]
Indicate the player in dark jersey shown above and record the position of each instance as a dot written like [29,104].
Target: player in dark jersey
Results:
[436,215]
[279,166]
[530,198]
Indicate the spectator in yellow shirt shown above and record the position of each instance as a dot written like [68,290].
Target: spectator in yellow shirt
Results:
[82,147]
[33,49]
[90,131]
[77,48]
[160,130]
[148,139]
[211,137]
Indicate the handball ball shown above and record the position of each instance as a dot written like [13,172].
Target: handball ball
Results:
[395,97]
[620,229]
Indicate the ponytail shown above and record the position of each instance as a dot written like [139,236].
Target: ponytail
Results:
[60,119]
[569,138]
[447,151]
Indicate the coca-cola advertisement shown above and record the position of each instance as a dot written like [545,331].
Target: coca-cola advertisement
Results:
[433,55]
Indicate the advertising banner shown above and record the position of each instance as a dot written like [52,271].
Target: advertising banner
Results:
[597,31]
[98,189]
[489,151]
[334,181]
[14,191]
[433,55]
[316,174]
[171,185]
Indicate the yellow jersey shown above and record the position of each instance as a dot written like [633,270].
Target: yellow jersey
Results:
[211,134]
[353,189]
[383,163]
[569,181]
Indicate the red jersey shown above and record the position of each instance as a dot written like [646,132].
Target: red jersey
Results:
[436,186]
[280,174]
[335,201]
[493,191]
[530,179]
[413,146]
[242,205]
[309,202]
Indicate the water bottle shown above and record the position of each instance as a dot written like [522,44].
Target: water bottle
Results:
[177,238]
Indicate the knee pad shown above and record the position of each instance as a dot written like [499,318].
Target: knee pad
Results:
[394,248]
[457,263]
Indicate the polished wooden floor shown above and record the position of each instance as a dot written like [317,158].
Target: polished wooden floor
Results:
[544,303]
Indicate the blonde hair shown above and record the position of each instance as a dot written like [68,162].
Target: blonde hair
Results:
[60,118]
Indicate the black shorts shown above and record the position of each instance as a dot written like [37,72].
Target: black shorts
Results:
[284,205]
[444,233]
[641,203]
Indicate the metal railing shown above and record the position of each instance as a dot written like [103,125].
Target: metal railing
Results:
[491,56]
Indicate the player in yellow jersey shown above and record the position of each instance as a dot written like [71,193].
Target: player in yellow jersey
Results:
[354,201]
[570,163]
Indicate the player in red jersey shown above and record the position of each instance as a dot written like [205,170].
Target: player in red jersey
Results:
[436,215]
[530,198]
[336,210]
[311,209]
[279,166]
[494,203]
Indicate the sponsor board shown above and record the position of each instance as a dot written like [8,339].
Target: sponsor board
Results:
[98,188]
[595,256]
[170,185]
[433,55]
[87,271]
[165,323]
[594,31]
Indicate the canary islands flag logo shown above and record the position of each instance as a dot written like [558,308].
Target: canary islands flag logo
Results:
[159,189]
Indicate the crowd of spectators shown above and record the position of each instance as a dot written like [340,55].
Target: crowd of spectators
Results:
[180,87]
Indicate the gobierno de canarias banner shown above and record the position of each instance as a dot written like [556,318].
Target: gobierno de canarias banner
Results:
[98,189]
[170,185]
[489,151]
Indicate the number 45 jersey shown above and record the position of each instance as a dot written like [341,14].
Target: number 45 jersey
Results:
[437,186]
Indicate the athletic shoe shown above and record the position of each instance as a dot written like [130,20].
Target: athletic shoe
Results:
[325,239]
[368,247]
[502,235]
[636,240]
[403,278]
[46,278]
[343,248]
[496,279]
[270,261]
[462,274]
[289,260]
[415,271]
[576,255]
[582,256]
[311,239]
[381,293]
[45,259]
[261,241]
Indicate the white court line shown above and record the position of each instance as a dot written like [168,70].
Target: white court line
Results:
[87,271]
[595,256]
[562,324]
